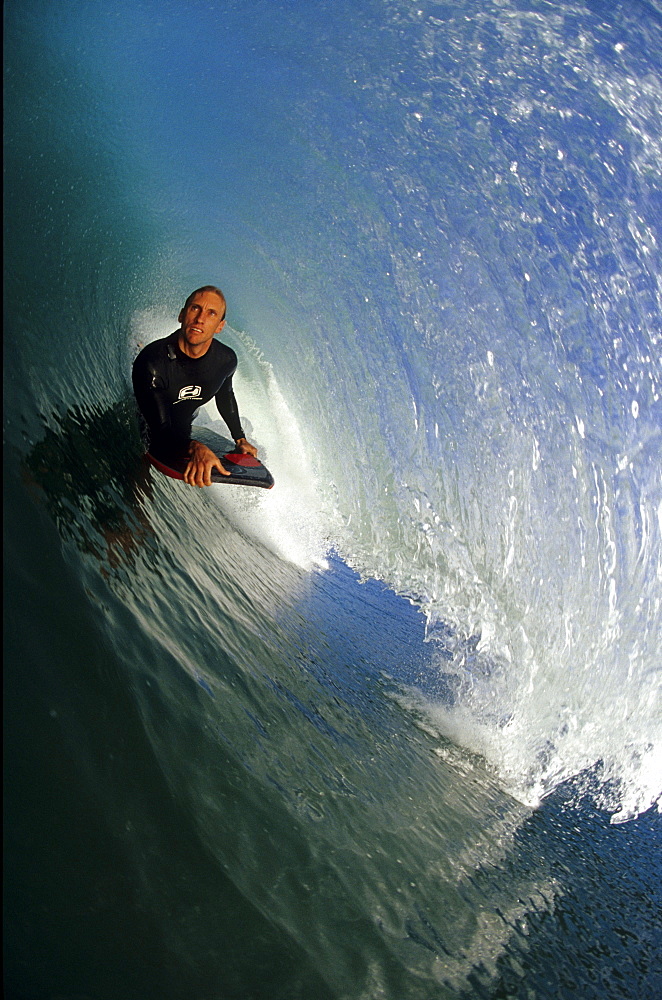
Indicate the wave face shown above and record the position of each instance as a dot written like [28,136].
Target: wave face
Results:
[437,226]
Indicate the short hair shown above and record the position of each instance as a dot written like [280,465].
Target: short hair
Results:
[207,288]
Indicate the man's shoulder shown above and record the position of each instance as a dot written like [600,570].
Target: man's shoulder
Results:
[156,347]
[223,353]
[155,351]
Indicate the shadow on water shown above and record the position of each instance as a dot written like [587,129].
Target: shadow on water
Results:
[90,469]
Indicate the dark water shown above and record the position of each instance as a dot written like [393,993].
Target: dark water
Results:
[236,767]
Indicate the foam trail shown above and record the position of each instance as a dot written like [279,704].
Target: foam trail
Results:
[287,518]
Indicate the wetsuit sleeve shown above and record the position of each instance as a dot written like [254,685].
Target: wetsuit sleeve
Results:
[227,407]
[165,438]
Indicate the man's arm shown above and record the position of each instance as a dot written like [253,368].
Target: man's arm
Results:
[165,437]
[228,409]
[203,460]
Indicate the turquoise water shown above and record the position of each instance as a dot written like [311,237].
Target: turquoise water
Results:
[392,729]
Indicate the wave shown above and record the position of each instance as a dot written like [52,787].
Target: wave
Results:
[450,262]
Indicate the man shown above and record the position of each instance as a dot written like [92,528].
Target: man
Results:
[174,376]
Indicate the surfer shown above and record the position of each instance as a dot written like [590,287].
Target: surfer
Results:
[174,376]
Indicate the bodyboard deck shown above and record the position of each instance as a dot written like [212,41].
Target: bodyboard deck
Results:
[244,469]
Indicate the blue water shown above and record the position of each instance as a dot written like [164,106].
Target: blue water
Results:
[392,729]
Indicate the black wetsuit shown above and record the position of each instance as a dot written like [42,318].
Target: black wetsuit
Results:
[170,387]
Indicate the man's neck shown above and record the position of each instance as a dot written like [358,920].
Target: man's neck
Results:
[192,351]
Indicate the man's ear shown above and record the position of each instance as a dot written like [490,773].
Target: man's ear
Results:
[181,316]
[220,326]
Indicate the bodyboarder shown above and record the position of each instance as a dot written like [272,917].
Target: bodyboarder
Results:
[174,376]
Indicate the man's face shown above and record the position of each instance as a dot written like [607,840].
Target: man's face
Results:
[201,319]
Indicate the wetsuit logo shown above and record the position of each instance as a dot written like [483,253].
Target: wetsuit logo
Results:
[189,392]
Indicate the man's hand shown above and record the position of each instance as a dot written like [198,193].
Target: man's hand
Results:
[202,461]
[243,446]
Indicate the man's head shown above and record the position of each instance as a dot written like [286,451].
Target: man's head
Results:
[203,316]
[206,288]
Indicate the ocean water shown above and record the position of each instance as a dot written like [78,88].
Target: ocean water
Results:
[392,730]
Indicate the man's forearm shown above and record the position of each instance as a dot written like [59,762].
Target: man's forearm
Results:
[228,409]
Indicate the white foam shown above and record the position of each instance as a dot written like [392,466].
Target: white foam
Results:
[286,519]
